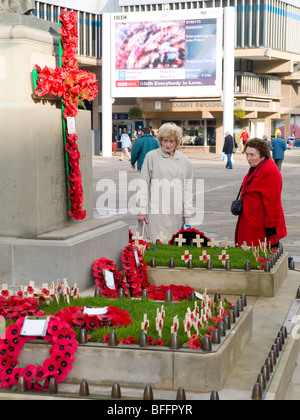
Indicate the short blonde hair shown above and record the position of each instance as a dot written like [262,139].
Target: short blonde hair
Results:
[168,130]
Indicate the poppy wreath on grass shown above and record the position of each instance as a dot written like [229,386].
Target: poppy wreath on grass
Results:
[119,278]
[15,307]
[114,317]
[178,292]
[189,235]
[64,345]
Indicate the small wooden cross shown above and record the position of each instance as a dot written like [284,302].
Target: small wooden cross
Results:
[213,243]
[226,243]
[175,325]
[245,247]
[145,323]
[198,241]
[204,257]
[161,237]
[180,240]
[137,238]
[186,257]
[223,257]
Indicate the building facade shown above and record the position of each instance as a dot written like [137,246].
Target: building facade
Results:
[266,82]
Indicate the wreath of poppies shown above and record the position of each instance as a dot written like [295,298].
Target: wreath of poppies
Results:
[15,307]
[189,234]
[119,278]
[64,345]
[135,269]
[75,317]
[74,86]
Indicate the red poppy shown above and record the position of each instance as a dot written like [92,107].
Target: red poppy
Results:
[46,292]
[30,290]
[105,338]
[50,367]
[16,376]
[53,326]
[12,331]
[131,340]
[159,342]
[28,372]
[5,293]
[151,340]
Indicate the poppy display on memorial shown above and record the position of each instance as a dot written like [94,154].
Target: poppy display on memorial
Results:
[73,86]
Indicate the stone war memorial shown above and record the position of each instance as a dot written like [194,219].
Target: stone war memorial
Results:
[163,321]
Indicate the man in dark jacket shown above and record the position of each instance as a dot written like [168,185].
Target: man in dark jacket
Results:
[278,146]
[141,147]
[228,146]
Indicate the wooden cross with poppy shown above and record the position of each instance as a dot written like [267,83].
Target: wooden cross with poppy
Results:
[73,86]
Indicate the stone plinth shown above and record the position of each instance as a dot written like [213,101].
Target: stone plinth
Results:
[233,282]
[38,240]
[159,367]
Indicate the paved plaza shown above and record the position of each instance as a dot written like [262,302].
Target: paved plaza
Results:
[220,188]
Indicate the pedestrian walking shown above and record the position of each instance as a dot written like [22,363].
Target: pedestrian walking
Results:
[126,144]
[228,148]
[142,146]
[278,147]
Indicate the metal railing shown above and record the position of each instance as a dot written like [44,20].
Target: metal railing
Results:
[254,84]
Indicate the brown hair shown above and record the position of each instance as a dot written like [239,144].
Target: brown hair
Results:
[261,145]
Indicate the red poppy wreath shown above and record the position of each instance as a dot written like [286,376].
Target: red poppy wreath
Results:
[58,365]
[113,317]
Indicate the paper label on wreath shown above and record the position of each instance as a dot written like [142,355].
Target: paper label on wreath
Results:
[34,327]
[109,279]
[71,125]
[95,311]
[199,296]
[136,256]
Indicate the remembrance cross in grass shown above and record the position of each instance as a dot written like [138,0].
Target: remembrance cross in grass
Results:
[73,86]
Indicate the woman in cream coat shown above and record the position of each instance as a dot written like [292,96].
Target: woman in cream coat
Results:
[166,186]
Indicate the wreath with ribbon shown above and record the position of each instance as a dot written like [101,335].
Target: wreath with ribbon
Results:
[64,345]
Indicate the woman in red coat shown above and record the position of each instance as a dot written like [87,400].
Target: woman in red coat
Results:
[262,216]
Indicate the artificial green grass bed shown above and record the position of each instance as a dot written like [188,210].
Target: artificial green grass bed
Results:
[136,309]
[237,256]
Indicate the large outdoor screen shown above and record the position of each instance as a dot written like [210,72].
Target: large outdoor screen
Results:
[167,54]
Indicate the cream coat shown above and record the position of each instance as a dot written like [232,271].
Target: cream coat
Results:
[166,192]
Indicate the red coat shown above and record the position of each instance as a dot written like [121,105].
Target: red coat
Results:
[262,206]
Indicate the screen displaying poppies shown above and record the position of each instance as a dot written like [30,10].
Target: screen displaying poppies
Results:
[174,50]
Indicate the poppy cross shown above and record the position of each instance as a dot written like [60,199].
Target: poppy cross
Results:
[73,86]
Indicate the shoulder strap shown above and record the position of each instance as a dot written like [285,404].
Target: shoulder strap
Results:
[254,173]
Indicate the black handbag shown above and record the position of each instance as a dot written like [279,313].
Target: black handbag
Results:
[237,205]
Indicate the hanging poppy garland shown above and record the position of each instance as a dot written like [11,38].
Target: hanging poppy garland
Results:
[75,317]
[64,345]
[74,86]
[15,307]
[99,268]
